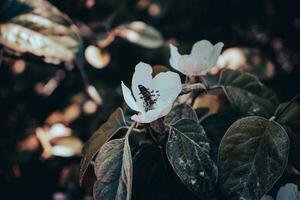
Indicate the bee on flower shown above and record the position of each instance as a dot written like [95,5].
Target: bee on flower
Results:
[151,97]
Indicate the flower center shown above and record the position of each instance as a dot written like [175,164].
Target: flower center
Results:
[149,97]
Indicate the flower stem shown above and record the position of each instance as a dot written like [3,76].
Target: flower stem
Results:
[159,128]
[186,88]
[130,128]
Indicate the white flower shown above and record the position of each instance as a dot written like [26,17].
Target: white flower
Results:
[203,57]
[152,97]
[288,192]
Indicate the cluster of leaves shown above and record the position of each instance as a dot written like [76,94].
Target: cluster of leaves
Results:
[238,151]
[39,28]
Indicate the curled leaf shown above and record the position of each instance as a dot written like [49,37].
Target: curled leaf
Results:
[110,164]
[114,123]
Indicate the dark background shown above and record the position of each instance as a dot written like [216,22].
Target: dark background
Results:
[259,24]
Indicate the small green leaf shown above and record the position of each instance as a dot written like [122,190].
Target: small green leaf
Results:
[188,152]
[114,123]
[252,156]
[182,111]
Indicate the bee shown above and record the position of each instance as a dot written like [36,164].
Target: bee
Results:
[149,97]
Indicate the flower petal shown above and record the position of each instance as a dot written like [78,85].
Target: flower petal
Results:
[141,76]
[174,57]
[168,84]
[129,98]
[215,54]
[189,65]
[289,191]
[166,109]
[201,50]
[147,117]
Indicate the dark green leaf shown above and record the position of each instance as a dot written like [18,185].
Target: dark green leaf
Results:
[182,111]
[108,163]
[127,170]
[113,168]
[290,120]
[114,123]
[248,82]
[108,168]
[188,152]
[252,156]
[249,104]
[247,95]
[291,116]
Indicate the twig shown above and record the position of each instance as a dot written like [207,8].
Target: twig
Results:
[90,89]
[186,88]
[130,128]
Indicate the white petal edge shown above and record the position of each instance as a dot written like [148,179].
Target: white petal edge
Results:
[129,98]
[147,117]
[141,76]
[201,50]
[174,57]
[215,54]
